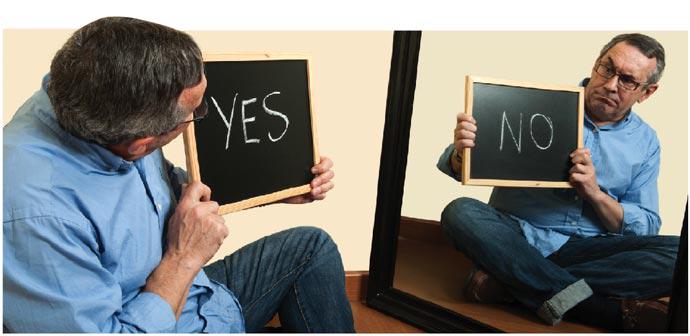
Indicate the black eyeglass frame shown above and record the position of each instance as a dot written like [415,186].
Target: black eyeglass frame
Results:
[624,81]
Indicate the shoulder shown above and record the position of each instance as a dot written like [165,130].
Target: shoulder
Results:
[35,165]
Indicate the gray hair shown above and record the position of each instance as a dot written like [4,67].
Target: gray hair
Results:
[647,45]
[118,79]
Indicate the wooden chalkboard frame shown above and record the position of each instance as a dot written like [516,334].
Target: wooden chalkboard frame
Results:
[193,170]
[467,179]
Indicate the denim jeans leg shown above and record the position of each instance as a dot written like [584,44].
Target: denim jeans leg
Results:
[297,273]
[632,267]
[494,241]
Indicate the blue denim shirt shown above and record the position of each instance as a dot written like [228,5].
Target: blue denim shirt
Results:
[83,229]
[626,159]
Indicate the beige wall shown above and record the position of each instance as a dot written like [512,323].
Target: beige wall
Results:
[349,85]
[542,57]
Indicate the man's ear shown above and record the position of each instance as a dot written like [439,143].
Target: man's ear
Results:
[648,91]
[139,146]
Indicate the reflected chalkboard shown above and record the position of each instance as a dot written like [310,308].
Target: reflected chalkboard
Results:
[525,133]
[257,144]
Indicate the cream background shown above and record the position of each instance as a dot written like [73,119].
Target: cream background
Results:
[349,74]
[543,57]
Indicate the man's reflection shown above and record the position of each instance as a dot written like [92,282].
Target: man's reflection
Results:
[592,253]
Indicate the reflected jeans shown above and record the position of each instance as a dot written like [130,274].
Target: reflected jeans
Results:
[634,267]
[297,273]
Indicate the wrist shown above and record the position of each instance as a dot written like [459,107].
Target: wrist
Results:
[181,263]
[170,273]
[457,156]
[598,197]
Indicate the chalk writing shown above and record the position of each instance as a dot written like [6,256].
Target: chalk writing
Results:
[278,114]
[246,120]
[531,128]
[227,124]
[518,141]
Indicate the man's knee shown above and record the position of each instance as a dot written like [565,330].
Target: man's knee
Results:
[315,239]
[457,213]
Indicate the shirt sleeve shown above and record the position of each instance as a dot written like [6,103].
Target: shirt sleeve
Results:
[444,163]
[54,282]
[641,201]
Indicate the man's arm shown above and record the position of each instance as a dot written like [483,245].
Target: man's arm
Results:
[195,233]
[583,177]
[636,211]
[640,202]
[54,282]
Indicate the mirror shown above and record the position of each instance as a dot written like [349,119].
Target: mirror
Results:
[415,273]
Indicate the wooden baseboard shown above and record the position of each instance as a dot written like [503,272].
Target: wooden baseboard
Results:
[422,230]
[356,285]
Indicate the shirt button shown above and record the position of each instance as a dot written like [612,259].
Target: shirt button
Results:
[159,206]
[576,198]
[573,223]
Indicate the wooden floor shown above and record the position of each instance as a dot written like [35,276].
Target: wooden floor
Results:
[428,267]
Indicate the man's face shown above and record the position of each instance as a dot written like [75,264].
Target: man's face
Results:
[606,100]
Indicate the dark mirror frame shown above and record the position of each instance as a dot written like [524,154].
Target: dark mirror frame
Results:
[380,293]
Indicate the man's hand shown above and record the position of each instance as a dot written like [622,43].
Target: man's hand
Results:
[584,178]
[320,185]
[463,137]
[195,232]
[464,134]
[583,175]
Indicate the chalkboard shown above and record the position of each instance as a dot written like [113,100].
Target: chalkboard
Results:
[258,143]
[525,132]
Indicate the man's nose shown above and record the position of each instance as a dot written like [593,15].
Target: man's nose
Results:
[611,84]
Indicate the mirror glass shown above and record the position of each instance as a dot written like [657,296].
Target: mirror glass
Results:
[427,266]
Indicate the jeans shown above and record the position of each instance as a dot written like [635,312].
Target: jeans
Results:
[297,273]
[634,267]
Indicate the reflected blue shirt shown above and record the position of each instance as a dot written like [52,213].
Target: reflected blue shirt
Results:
[626,159]
[83,229]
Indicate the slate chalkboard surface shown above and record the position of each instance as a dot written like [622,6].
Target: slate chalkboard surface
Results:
[525,133]
[257,144]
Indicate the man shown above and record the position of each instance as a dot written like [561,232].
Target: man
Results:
[101,235]
[593,251]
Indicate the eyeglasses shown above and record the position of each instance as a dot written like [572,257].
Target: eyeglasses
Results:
[200,112]
[624,81]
